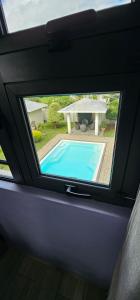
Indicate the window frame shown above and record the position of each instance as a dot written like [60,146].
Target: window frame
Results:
[129,87]
[31,68]
[4,23]
[9,141]
[8,161]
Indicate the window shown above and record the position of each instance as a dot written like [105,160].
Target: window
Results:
[74,135]
[4,168]
[94,70]
[59,129]
[25,14]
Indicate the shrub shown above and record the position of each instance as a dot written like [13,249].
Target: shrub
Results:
[42,127]
[113,110]
[37,135]
[104,124]
[53,116]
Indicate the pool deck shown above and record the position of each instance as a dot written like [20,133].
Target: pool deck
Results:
[106,163]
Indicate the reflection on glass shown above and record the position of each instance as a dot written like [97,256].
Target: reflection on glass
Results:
[28,13]
[4,168]
[2,156]
[5,171]
[74,135]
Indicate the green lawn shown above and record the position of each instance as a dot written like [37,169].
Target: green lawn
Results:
[49,133]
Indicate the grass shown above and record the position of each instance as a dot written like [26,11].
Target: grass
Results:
[2,157]
[109,133]
[49,132]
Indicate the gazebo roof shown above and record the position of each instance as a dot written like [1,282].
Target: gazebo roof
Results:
[86,105]
[32,105]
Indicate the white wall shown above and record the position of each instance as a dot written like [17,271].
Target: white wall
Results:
[45,114]
[37,116]
[102,117]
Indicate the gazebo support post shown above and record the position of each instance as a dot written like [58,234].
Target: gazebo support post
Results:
[96,124]
[69,123]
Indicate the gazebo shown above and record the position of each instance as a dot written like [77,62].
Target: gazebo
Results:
[92,110]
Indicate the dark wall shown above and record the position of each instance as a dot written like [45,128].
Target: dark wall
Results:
[83,237]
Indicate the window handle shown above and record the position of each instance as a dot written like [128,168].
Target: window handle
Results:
[71,192]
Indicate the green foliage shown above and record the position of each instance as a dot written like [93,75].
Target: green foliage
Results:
[37,135]
[69,99]
[111,97]
[35,99]
[112,110]
[62,100]
[109,133]
[53,116]
[2,156]
[94,97]
[48,133]
[42,127]
[104,124]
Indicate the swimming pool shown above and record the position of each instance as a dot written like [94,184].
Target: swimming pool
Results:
[74,159]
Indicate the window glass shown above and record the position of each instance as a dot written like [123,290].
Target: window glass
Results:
[74,135]
[2,156]
[29,13]
[4,168]
[5,171]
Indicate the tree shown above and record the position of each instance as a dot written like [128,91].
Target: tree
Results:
[53,116]
[112,112]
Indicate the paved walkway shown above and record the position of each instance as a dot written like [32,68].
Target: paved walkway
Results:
[106,163]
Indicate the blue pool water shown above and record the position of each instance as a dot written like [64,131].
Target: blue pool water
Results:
[74,159]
